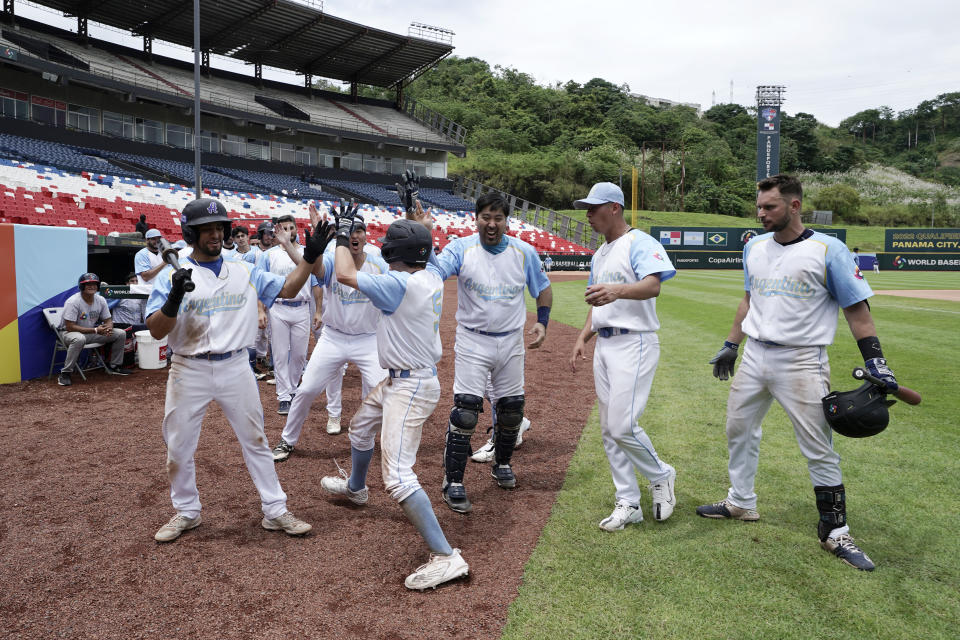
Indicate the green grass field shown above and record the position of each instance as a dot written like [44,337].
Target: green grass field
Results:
[692,577]
[867,239]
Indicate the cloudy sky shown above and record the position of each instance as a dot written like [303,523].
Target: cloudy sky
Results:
[834,57]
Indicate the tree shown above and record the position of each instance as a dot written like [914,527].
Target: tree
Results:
[840,198]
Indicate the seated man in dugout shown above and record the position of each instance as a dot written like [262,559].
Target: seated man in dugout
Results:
[87,320]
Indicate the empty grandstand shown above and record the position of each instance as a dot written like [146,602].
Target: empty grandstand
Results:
[94,134]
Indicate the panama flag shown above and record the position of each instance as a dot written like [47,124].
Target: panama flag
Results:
[769,126]
[670,237]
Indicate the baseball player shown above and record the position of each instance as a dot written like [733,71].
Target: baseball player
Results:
[289,322]
[410,299]
[626,273]
[148,262]
[493,269]
[266,239]
[349,335]
[87,320]
[795,281]
[229,248]
[209,329]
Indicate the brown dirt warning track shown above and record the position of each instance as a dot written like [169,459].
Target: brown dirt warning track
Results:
[85,488]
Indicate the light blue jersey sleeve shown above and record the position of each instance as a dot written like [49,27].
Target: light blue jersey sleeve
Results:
[161,290]
[141,262]
[266,284]
[844,280]
[385,290]
[647,256]
[450,261]
[251,256]
[537,280]
[313,281]
[746,252]
[593,259]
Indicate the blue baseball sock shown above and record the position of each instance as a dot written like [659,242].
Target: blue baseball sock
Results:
[419,511]
[359,463]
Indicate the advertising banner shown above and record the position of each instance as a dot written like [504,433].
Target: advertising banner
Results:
[919,261]
[706,259]
[716,238]
[565,262]
[913,240]
[768,142]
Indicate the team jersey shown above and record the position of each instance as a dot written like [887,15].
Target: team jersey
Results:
[344,308]
[228,254]
[145,260]
[275,260]
[252,255]
[408,334]
[628,259]
[796,289]
[220,314]
[76,310]
[490,286]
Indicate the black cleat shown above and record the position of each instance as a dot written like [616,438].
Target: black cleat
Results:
[844,548]
[455,495]
[503,474]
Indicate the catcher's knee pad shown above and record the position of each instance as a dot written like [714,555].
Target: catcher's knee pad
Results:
[832,505]
[466,413]
[509,419]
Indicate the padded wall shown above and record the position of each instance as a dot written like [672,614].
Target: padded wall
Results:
[44,264]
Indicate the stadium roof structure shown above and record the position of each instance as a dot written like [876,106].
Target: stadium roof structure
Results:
[276,33]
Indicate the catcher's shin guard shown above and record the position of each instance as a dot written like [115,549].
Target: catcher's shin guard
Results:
[832,505]
[455,455]
[509,419]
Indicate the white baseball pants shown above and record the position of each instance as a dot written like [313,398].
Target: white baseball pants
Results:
[289,337]
[797,378]
[332,351]
[623,370]
[191,385]
[497,359]
[401,406]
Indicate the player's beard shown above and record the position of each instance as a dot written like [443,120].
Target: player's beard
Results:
[205,252]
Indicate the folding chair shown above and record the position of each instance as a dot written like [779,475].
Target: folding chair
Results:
[54,316]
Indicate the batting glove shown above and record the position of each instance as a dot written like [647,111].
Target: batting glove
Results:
[317,241]
[408,190]
[724,361]
[179,281]
[877,367]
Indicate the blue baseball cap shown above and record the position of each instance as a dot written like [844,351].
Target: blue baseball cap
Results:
[153,233]
[600,193]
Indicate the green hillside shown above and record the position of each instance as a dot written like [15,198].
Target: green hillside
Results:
[548,144]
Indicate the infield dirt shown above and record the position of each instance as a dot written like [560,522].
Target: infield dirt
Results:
[85,489]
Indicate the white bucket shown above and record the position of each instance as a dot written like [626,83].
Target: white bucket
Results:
[152,352]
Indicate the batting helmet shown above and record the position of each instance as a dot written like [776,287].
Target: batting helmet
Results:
[264,227]
[407,241]
[859,413]
[200,212]
[88,278]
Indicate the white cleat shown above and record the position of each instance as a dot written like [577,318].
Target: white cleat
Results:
[437,570]
[623,514]
[333,425]
[664,499]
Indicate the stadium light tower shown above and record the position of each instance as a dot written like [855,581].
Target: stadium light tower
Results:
[198,187]
[430,32]
[769,99]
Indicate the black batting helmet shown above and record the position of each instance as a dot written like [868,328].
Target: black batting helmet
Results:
[859,413]
[407,241]
[265,227]
[200,212]
[88,278]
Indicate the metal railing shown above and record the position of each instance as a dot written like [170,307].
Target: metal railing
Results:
[432,120]
[558,224]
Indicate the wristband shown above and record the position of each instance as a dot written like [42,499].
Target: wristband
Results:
[731,345]
[543,315]
[870,347]
[171,307]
